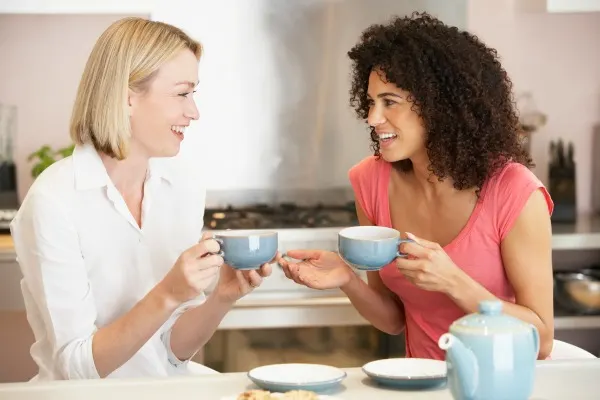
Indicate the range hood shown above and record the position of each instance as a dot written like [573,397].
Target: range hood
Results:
[558,6]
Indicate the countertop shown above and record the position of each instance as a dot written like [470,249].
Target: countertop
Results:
[6,242]
[555,380]
[582,235]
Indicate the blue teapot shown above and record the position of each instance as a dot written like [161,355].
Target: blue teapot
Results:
[490,355]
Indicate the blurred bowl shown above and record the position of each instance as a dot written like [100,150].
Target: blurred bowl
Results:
[578,291]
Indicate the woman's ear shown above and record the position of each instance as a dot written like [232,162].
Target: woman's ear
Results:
[131,100]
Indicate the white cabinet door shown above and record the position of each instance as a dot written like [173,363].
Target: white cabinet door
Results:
[11,298]
[76,6]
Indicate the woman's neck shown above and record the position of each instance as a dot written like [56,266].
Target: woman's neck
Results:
[127,175]
[426,181]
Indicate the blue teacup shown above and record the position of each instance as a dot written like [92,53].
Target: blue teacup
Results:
[369,248]
[247,249]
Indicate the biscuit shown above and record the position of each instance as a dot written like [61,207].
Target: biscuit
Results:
[300,395]
[255,395]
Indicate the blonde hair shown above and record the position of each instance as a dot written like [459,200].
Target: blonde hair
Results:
[126,56]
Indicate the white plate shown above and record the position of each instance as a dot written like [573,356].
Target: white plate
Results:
[403,372]
[286,377]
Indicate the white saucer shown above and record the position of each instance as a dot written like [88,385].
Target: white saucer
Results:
[286,377]
[407,372]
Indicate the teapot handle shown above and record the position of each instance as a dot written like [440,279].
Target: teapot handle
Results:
[536,340]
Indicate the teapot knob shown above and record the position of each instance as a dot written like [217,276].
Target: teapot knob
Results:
[490,307]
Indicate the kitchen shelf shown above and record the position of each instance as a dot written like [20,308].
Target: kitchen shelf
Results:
[581,235]
[567,322]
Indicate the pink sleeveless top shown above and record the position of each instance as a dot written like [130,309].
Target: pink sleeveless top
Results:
[476,249]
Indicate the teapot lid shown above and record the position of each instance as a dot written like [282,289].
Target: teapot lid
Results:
[489,320]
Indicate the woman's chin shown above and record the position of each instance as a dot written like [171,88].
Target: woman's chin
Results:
[391,156]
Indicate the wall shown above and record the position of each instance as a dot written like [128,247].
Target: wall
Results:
[557,58]
[554,56]
[42,60]
[274,80]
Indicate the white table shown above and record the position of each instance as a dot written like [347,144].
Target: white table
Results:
[555,380]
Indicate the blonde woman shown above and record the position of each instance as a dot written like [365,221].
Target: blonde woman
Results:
[107,239]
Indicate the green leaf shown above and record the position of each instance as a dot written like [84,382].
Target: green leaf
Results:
[66,151]
[45,156]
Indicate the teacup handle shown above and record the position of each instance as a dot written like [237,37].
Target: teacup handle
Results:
[400,241]
[220,241]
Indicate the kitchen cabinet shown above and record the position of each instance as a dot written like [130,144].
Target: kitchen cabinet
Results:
[558,6]
[77,6]
[16,337]
[11,298]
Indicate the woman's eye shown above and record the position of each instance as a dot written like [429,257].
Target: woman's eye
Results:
[186,94]
[388,102]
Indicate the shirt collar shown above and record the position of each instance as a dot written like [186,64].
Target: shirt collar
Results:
[90,172]
[162,168]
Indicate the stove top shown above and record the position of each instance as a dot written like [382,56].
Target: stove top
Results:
[284,215]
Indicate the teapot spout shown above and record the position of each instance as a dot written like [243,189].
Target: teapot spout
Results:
[462,364]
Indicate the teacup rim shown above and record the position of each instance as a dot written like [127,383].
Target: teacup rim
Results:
[242,233]
[396,236]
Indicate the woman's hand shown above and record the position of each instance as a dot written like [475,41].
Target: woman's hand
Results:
[194,271]
[235,284]
[318,269]
[428,266]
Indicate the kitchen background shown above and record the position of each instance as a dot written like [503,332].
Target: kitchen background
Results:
[275,122]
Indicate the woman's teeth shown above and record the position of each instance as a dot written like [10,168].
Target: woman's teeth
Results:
[386,136]
[177,128]
[178,131]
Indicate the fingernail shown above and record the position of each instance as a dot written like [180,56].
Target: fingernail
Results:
[410,235]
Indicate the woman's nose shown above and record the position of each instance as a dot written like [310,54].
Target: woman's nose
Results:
[375,117]
[192,111]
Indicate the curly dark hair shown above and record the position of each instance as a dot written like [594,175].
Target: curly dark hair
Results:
[456,85]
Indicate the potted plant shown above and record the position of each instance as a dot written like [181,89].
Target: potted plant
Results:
[46,156]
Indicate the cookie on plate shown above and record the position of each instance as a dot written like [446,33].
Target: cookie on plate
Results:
[300,395]
[255,395]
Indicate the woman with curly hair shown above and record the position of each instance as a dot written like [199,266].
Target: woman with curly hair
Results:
[448,167]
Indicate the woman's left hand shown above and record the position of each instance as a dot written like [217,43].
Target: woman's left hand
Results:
[234,284]
[428,266]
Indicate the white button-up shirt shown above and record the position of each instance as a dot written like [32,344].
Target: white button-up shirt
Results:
[86,262]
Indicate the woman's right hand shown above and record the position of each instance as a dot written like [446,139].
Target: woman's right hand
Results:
[318,269]
[195,269]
